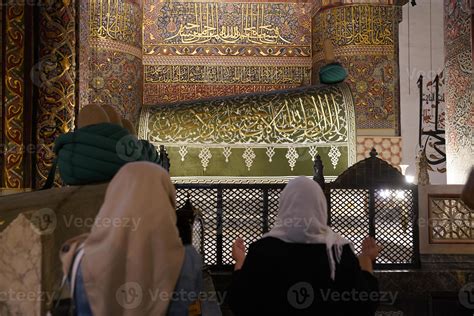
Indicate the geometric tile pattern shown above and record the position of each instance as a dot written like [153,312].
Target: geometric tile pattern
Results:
[451,221]
[388,148]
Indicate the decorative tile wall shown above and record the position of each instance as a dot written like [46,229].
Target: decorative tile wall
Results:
[115,60]
[459,107]
[388,148]
[195,50]
[365,38]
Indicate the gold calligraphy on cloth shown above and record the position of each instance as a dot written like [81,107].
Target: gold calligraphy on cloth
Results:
[295,117]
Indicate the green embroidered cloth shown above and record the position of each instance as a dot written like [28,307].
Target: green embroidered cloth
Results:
[95,153]
[332,73]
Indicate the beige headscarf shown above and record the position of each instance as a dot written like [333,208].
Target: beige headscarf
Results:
[302,218]
[132,263]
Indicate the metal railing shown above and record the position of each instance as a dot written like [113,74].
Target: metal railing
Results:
[228,211]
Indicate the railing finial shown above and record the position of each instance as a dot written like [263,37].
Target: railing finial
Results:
[319,171]
[164,160]
[373,152]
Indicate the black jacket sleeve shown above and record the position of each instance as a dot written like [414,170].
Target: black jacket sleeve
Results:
[363,285]
[243,291]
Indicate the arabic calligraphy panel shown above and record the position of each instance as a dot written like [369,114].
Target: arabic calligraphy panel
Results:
[194,50]
[239,131]
[116,20]
[212,74]
[170,93]
[310,115]
[357,25]
[212,23]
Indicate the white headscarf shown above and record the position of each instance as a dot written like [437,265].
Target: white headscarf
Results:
[302,218]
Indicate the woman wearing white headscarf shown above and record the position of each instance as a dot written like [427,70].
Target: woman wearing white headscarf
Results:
[302,267]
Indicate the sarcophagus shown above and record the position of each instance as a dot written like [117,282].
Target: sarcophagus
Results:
[265,137]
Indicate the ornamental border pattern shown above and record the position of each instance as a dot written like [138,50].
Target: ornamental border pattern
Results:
[238,180]
[459,107]
[108,44]
[356,51]
[14,99]
[226,50]
[226,60]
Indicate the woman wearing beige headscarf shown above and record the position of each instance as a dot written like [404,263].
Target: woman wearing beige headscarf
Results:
[134,260]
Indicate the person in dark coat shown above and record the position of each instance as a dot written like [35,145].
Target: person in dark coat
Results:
[302,267]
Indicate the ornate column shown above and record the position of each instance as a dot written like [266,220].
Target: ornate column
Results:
[56,81]
[365,39]
[115,57]
[459,106]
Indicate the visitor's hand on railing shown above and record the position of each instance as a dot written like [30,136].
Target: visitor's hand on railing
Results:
[370,248]
[238,253]
[370,251]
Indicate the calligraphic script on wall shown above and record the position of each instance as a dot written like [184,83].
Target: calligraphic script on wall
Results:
[273,134]
[195,50]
